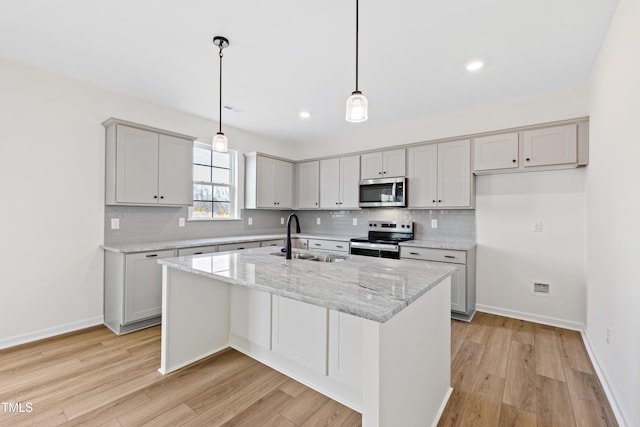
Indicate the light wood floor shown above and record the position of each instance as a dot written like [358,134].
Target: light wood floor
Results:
[505,372]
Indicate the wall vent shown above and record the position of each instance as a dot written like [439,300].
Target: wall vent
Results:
[541,289]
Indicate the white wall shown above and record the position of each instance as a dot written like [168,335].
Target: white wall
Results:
[510,256]
[52,187]
[613,209]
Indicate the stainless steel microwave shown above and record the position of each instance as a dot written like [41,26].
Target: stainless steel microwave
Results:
[381,192]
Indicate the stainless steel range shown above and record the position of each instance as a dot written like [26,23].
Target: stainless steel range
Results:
[383,239]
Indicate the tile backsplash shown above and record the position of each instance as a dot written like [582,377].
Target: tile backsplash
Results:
[139,224]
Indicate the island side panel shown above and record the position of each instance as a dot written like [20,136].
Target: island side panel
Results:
[407,363]
[195,318]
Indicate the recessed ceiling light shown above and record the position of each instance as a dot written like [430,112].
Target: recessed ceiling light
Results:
[475,65]
[304,114]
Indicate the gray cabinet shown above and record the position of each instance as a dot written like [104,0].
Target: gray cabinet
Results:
[339,179]
[383,164]
[309,185]
[463,279]
[147,166]
[496,152]
[133,290]
[268,182]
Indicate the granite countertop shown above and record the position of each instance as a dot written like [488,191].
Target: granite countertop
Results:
[371,290]
[191,243]
[440,244]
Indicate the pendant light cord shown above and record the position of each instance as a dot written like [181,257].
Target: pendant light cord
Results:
[357,14]
[220,98]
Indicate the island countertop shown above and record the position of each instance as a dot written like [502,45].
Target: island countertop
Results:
[371,288]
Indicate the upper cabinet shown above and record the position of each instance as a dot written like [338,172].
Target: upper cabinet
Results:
[382,164]
[268,182]
[543,148]
[496,152]
[147,166]
[439,175]
[339,178]
[309,185]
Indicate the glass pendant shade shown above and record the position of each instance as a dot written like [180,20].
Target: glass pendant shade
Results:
[357,107]
[220,143]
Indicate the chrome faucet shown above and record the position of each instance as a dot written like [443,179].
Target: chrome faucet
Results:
[288,242]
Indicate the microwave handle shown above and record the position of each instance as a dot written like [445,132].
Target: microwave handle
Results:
[393,191]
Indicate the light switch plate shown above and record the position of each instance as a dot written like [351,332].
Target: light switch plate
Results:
[181,222]
[249,221]
[434,223]
[115,223]
[281,221]
[537,227]
[355,221]
[318,221]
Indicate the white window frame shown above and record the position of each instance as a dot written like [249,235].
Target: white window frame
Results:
[234,210]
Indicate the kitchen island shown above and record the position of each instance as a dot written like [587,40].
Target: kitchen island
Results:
[373,334]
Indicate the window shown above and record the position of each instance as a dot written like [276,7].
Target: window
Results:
[214,184]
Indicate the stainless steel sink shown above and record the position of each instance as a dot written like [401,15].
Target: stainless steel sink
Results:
[314,257]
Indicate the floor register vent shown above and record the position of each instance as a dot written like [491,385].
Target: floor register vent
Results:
[542,289]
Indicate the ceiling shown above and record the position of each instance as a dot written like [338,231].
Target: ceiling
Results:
[292,55]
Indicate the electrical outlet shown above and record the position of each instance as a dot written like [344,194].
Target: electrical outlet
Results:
[537,227]
[434,223]
[609,335]
[115,223]
[249,221]
[281,221]
[355,221]
[181,222]
[317,221]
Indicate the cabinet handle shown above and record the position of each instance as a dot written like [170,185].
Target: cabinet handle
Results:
[240,247]
[450,256]
[198,253]
[162,197]
[514,160]
[379,173]
[527,159]
[340,246]
[433,201]
[316,203]
[152,255]
[273,244]
[439,201]
[317,244]
[414,253]
[384,172]
[155,197]
[337,203]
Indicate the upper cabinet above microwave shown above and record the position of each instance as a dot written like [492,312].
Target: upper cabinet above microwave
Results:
[383,164]
[147,166]
[543,148]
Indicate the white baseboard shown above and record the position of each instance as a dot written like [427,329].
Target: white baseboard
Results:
[617,411]
[566,324]
[536,318]
[50,332]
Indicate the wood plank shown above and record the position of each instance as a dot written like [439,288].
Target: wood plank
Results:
[465,366]
[480,329]
[172,417]
[589,402]
[493,360]
[278,420]
[459,329]
[266,406]
[553,404]
[353,420]
[574,354]
[510,416]
[293,388]
[300,409]
[548,357]
[523,331]
[484,403]
[454,410]
[106,413]
[520,382]
[330,414]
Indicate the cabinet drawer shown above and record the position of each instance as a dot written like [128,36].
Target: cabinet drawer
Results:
[197,251]
[328,245]
[429,254]
[237,246]
[277,242]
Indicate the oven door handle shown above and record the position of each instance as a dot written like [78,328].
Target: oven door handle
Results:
[376,246]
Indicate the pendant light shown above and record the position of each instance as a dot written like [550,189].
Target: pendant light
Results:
[357,103]
[220,142]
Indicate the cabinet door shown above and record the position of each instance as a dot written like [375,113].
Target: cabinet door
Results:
[300,333]
[422,184]
[275,242]
[175,172]
[496,152]
[251,315]
[551,146]
[136,166]
[329,183]
[265,182]
[284,184]
[197,250]
[371,165]
[459,289]
[349,181]
[345,348]
[393,163]
[300,243]
[143,285]
[309,185]
[454,174]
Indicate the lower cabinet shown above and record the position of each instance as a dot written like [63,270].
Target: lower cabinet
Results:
[463,279]
[251,315]
[345,348]
[276,242]
[199,250]
[328,245]
[237,246]
[133,290]
[300,333]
